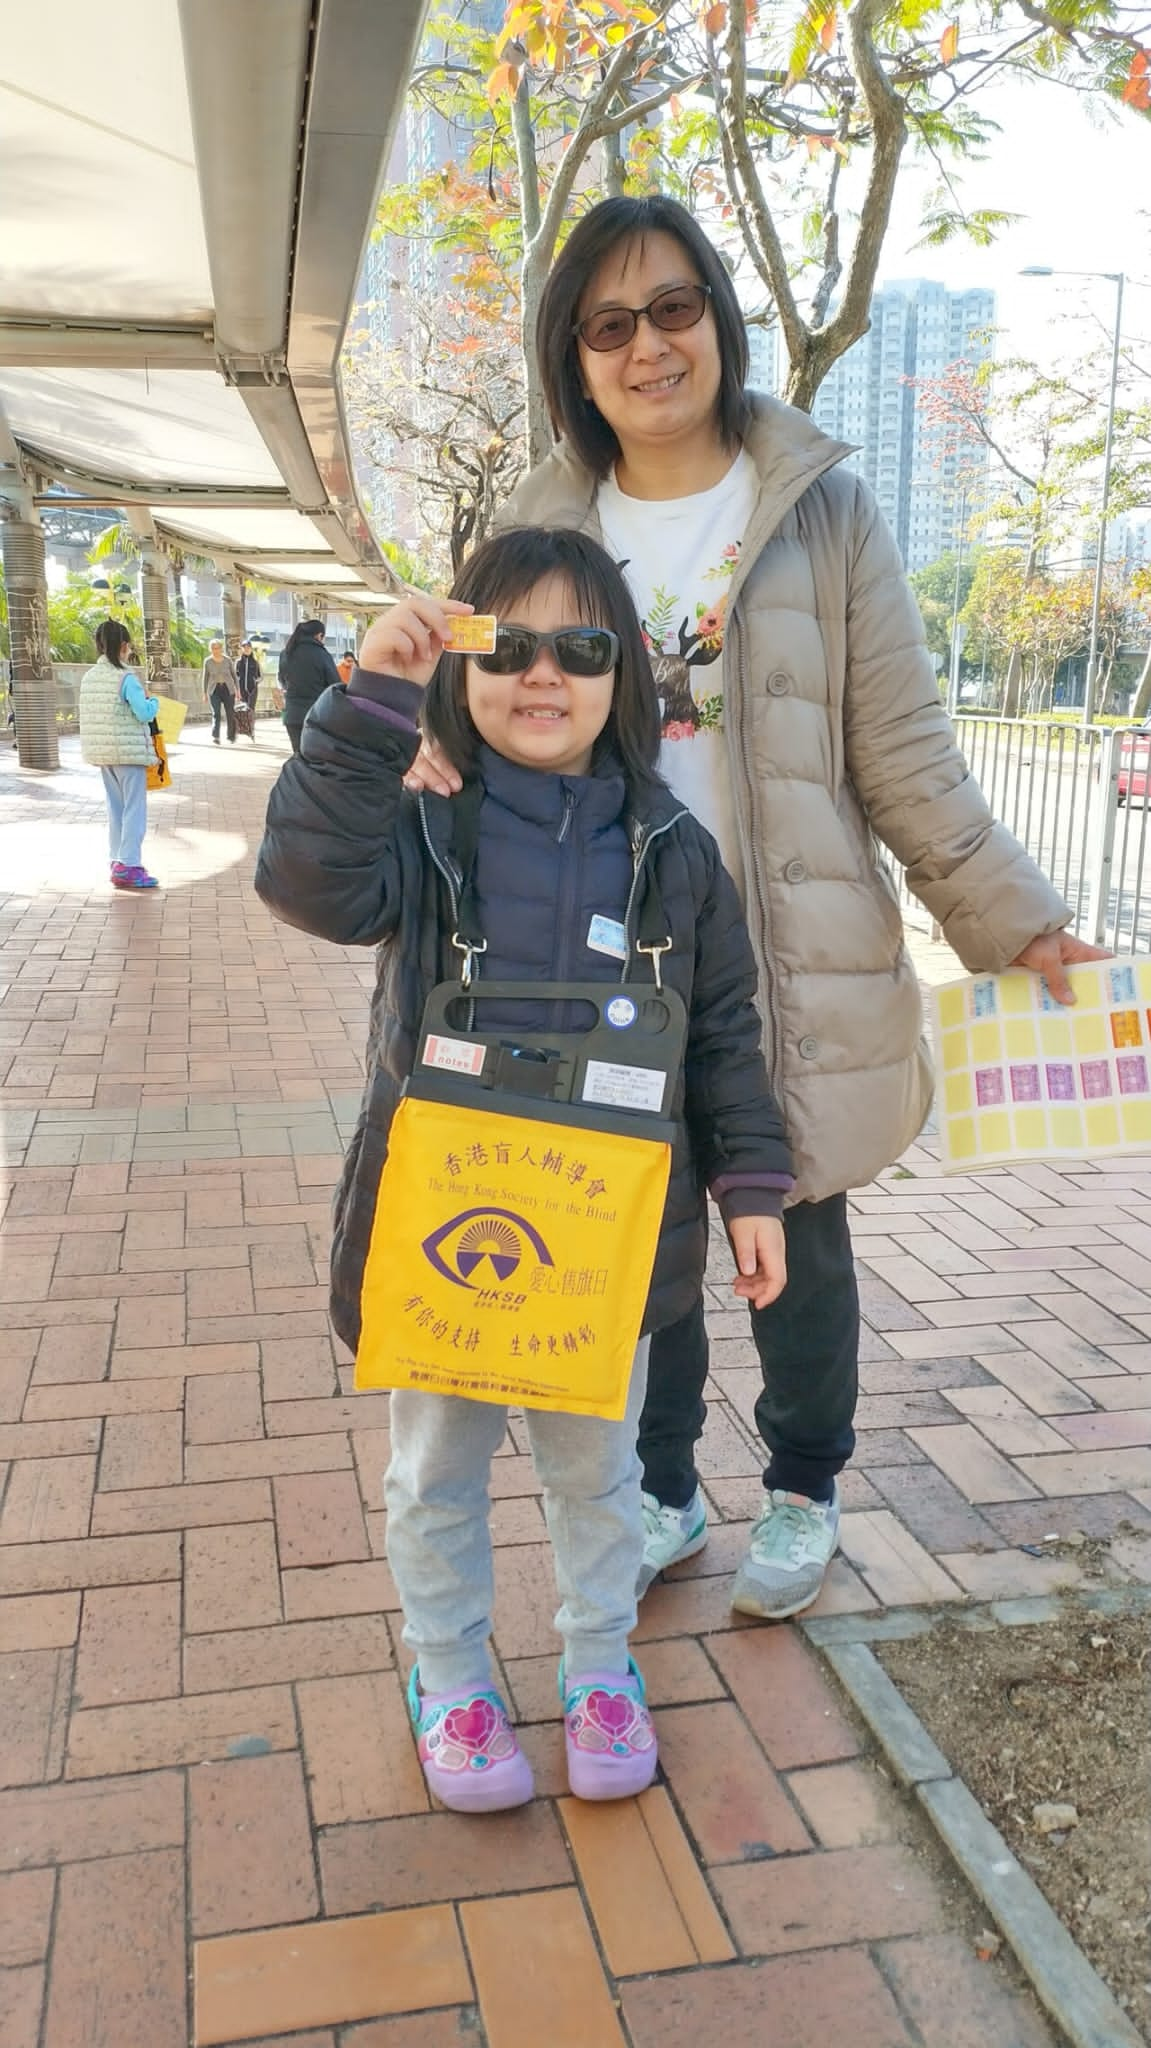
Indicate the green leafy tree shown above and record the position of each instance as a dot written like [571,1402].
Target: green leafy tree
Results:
[1017,612]
[1141,606]
[76,608]
[408,567]
[545,116]
[934,588]
[813,106]
[787,127]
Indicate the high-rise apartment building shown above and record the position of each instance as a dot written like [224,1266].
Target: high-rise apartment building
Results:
[763,358]
[870,397]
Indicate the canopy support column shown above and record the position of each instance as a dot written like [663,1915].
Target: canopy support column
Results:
[33,684]
[232,593]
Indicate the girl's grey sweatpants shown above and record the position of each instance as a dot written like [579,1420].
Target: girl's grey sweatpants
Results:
[439,1539]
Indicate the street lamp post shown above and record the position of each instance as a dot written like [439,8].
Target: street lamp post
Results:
[1118,279]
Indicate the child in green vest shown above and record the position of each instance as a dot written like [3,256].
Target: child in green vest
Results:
[115,715]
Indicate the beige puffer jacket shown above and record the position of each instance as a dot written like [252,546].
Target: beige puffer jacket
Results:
[837,737]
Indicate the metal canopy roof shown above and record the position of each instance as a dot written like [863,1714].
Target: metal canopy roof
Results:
[185,194]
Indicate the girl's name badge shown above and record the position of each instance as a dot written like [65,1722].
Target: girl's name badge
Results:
[607,935]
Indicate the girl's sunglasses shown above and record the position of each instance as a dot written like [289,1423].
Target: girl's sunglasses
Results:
[683,305]
[578,650]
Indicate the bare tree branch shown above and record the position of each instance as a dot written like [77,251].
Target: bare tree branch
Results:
[889,133]
[760,234]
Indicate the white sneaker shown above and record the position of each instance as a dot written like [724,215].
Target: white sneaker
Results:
[670,1535]
[791,1546]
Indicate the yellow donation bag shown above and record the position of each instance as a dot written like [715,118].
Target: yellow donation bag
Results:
[521,1199]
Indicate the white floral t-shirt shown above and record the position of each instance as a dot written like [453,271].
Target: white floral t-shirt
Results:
[678,556]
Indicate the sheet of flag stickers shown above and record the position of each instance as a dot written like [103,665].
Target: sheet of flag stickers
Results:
[1020,1076]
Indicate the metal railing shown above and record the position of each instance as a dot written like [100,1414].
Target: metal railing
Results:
[1057,788]
[185,685]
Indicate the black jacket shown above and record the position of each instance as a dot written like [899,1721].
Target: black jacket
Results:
[248,677]
[349,855]
[306,671]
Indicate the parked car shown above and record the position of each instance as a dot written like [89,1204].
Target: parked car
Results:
[1135,765]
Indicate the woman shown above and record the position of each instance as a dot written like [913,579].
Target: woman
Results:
[218,683]
[306,671]
[116,713]
[248,674]
[801,721]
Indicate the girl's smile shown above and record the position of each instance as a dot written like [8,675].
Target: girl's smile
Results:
[542,718]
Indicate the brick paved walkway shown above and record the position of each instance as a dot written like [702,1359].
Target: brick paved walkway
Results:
[211,1793]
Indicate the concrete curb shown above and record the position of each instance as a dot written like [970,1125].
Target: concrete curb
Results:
[1072,1991]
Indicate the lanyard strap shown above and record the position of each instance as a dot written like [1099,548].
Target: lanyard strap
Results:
[653,932]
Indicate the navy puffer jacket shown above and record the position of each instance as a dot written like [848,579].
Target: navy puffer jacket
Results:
[350,856]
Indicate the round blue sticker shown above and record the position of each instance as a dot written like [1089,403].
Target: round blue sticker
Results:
[620,1012]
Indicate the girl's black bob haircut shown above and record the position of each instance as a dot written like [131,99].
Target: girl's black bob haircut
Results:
[113,641]
[573,415]
[504,569]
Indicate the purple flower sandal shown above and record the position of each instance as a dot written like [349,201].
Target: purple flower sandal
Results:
[611,1745]
[468,1749]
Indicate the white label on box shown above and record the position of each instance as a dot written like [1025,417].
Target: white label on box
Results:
[454,1055]
[624,1087]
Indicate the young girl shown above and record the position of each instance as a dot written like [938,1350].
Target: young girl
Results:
[115,714]
[560,727]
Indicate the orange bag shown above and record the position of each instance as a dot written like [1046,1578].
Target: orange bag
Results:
[158,772]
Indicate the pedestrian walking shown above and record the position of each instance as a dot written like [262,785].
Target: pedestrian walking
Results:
[116,713]
[248,673]
[306,671]
[345,665]
[802,721]
[219,685]
[558,732]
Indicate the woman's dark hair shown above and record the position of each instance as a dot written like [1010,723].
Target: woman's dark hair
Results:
[113,641]
[623,220]
[308,629]
[507,567]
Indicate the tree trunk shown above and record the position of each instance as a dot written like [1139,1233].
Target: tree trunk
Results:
[804,377]
[1013,684]
[1142,705]
[539,436]
[614,166]
[534,269]
[1012,687]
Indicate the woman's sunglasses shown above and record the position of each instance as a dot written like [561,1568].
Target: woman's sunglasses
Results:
[578,650]
[682,305]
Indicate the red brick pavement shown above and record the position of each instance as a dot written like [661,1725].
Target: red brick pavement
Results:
[211,1802]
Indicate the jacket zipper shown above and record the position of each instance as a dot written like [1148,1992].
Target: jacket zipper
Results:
[567,903]
[450,873]
[455,882]
[641,845]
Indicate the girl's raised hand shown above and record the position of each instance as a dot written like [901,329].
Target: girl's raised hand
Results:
[761,1257]
[408,639]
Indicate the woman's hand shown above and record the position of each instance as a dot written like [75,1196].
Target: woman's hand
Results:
[761,1256]
[432,770]
[408,640]
[1049,954]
